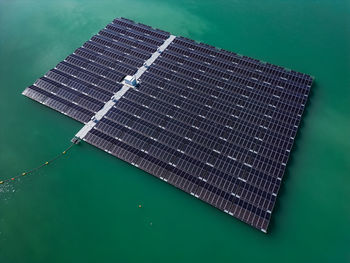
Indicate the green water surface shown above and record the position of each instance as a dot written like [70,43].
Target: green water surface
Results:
[84,208]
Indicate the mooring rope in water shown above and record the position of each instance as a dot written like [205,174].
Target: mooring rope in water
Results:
[37,168]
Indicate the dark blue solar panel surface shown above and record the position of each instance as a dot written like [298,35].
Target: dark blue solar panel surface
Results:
[215,124]
[80,85]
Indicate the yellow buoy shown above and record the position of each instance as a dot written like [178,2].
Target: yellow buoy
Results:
[46,163]
[64,152]
[1,182]
[24,174]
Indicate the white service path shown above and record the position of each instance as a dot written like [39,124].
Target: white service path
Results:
[109,104]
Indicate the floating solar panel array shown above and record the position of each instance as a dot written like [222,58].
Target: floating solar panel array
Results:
[215,124]
[80,85]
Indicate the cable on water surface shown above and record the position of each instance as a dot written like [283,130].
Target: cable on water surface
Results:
[37,168]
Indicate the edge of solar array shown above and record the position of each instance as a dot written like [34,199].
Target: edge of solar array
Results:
[218,48]
[51,108]
[236,54]
[289,154]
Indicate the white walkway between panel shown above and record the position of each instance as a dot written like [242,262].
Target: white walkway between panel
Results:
[109,104]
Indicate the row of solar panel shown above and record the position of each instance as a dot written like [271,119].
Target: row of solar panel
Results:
[131,42]
[161,154]
[67,83]
[220,70]
[113,130]
[97,70]
[242,88]
[226,98]
[205,137]
[210,121]
[243,60]
[213,108]
[91,73]
[184,180]
[237,112]
[104,45]
[61,105]
[231,152]
[134,34]
[208,64]
[253,72]
[83,78]
[147,30]
[207,77]
[96,67]
[108,58]
[69,94]
[82,87]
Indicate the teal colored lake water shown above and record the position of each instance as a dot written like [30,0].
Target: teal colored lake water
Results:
[84,208]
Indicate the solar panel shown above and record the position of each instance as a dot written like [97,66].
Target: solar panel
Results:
[80,85]
[213,123]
